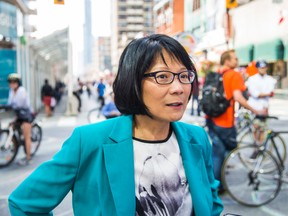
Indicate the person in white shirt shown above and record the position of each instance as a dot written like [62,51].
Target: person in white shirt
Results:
[260,88]
[18,99]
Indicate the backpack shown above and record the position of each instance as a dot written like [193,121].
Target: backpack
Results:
[214,102]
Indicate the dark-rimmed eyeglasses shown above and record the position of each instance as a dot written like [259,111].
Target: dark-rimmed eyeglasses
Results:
[167,77]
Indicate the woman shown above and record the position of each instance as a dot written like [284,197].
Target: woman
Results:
[141,163]
[19,101]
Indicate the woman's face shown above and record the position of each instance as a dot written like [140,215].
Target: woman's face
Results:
[166,102]
[13,85]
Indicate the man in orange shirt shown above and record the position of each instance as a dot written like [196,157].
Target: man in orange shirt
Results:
[221,129]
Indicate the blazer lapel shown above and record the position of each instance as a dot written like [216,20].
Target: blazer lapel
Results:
[191,154]
[119,161]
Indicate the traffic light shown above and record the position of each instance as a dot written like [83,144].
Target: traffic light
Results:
[231,4]
[59,2]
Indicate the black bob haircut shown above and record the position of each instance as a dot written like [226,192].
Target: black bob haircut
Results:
[137,58]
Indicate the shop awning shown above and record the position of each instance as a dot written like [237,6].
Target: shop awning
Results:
[270,50]
[245,54]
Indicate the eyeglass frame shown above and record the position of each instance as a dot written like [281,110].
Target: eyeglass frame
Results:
[153,74]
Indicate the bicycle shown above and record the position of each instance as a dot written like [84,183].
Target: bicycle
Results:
[255,181]
[12,138]
[246,131]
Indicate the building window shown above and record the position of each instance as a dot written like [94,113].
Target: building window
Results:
[196,4]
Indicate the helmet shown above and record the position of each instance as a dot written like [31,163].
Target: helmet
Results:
[261,64]
[14,77]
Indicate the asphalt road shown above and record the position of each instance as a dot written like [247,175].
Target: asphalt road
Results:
[57,128]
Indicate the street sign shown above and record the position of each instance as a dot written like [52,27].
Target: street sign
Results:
[231,4]
[59,2]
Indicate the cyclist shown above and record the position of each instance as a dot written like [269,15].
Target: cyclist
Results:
[109,110]
[261,88]
[19,101]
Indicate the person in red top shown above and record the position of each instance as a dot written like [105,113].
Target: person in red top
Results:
[251,69]
[221,129]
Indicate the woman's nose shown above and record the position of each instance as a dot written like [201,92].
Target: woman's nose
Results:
[176,86]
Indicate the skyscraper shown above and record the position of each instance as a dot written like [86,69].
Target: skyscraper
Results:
[130,19]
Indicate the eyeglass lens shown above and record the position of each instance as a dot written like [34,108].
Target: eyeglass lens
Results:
[165,77]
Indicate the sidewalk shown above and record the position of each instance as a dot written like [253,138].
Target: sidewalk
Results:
[60,116]
[281,94]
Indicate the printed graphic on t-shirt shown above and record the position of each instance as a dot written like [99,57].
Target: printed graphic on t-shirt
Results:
[161,185]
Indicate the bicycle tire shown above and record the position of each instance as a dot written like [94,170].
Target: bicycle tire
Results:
[94,115]
[248,139]
[245,179]
[36,138]
[7,156]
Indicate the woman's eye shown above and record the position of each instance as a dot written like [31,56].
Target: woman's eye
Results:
[184,76]
[162,76]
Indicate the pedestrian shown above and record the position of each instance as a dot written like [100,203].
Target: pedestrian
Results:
[195,98]
[59,90]
[46,96]
[101,92]
[18,99]
[260,89]
[77,91]
[143,162]
[221,129]
[109,110]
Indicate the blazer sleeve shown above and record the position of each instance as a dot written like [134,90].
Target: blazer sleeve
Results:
[47,186]
[217,203]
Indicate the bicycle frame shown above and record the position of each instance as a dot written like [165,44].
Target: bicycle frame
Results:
[270,136]
[10,136]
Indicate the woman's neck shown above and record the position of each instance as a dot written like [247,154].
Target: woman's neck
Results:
[147,128]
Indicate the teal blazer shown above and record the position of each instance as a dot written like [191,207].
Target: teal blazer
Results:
[96,163]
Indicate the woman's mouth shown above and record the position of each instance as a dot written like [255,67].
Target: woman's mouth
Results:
[176,104]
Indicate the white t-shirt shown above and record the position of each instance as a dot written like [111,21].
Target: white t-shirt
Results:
[258,84]
[19,99]
[160,180]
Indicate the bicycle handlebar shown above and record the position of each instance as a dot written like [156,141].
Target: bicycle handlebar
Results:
[264,117]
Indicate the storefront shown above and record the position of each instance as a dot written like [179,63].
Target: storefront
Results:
[261,35]
[8,38]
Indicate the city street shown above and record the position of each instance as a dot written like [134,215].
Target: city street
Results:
[57,128]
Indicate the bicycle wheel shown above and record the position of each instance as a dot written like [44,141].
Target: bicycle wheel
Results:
[9,152]
[281,147]
[94,115]
[245,179]
[36,137]
[248,139]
